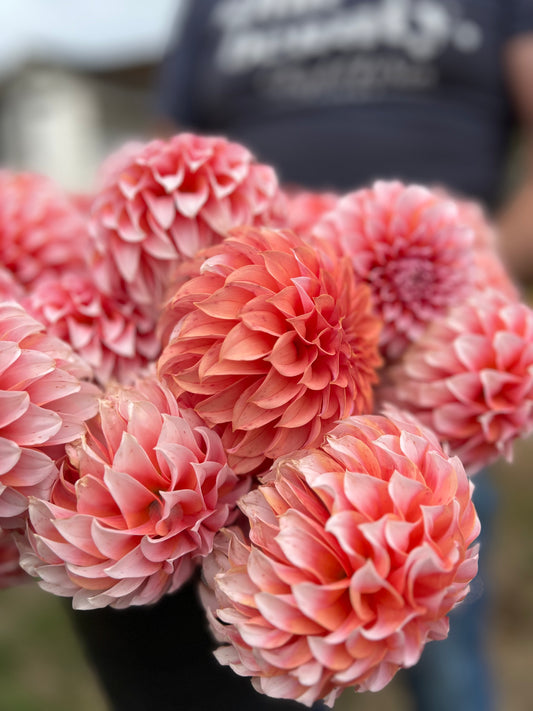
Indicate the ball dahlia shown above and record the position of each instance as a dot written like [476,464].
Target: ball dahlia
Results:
[410,246]
[470,378]
[41,228]
[272,344]
[357,551]
[166,200]
[45,402]
[138,502]
[113,335]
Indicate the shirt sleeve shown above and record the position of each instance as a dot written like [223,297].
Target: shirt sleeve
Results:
[174,97]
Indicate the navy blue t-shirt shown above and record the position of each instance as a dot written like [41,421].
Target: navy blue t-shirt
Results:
[334,93]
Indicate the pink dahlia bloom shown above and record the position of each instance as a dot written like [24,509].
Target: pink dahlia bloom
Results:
[304,210]
[11,573]
[470,378]
[41,228]
[166,200]
[410,246]
[357,552]
[115,337]
[271,344]
[138,502]
[44,403]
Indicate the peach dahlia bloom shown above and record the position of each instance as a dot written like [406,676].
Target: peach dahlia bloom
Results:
[41,228]
[114,336]
[165,200]
[410,246]
[357,551]
[138,502]
[44,403]
[470,378]
[271,343]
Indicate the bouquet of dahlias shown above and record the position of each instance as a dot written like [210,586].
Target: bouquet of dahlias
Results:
[199,369]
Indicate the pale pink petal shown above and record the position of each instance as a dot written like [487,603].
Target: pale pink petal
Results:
[138,503]
[469,377]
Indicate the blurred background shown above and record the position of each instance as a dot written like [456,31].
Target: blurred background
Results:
[76,81]
[75,84]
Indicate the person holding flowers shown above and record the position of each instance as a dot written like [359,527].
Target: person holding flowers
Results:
[273,394]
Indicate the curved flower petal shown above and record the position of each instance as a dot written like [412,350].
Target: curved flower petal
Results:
[127,520]
[275,349]
[344,592]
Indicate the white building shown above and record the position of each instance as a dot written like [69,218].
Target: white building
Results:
[76,80]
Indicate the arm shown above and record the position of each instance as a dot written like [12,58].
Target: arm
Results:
[516,217]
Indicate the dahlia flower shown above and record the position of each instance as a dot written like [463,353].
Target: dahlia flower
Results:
[470,378]
[138,502]
[304,210]
[45,403]
[114,336]
[410,246]
[357,551]
[41,228]
[271,345]
[166,200]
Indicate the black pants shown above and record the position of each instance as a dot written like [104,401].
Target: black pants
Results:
[160,657]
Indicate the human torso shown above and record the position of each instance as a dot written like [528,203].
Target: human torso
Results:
[336,92]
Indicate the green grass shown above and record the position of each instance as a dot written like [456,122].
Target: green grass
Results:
[42,667]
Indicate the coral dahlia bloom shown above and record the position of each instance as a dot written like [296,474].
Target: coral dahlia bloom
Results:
[470,378]
[272,345]
[44,403]
[409,244]
[114,336]
[167,199]
[139,500]
[357,551]
[41,228]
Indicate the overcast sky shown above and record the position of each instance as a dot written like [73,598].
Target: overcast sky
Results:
[87,33]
